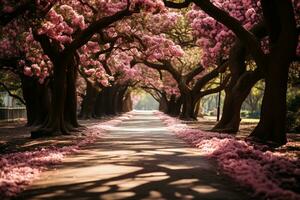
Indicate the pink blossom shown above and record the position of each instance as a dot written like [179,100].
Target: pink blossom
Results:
[270,175]
[19,169]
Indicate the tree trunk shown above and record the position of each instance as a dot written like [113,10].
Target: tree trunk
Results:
[271,127]
[281,24]
[127,103]
[88,102]
[230,120]
[111,101]
[163,104]
[197,108]
[188,108]
[37,100]
[239,86]
[121,96]
[177,107]
[55,123]
[171,105]
[101,99]
[70,112]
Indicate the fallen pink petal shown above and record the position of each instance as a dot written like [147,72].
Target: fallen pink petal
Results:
[271,175]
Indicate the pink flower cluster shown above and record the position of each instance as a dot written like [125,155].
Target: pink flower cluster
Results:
[56,26]
[38,64]
[18,170]
[161,48]
[271,175]
[162,22]
[214,38]
[148,5]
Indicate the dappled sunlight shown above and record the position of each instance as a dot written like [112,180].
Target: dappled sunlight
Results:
[134,165]
[176,166]
[204,189]
[269,174]
[184,182]
[19,169]
[182,196]
[117,195]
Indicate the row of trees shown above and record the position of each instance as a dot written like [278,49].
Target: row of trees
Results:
[90,54]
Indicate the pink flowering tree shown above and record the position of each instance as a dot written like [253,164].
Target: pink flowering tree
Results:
[16,19]
[218,43]
[172,53]
[280,23]
[118,77]
[68,26]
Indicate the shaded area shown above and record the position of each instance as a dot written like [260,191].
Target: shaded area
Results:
[15,136]
[139,159]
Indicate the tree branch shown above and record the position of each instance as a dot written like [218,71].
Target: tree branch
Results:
[216,89]
[231,23]
[189,77]
[206,78]
[47,46]
[86,34]
[13,95]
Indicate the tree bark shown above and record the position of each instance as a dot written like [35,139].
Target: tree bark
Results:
[121,96]
[234,99]
[88,102]
[174,106]
[240,84]
[163,104]
[188,107]
[70,112]
[127,103]
[37,100]
[55,123]
[281,25]
[101,99]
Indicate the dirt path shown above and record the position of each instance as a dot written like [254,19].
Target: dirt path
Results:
[139,159]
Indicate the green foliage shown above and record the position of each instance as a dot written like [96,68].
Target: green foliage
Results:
[1,102]
[252,104]
[146,102]
[12,82]
[250,114]
[293,111]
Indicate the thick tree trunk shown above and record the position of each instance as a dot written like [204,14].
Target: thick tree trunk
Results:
[111,100]
[177,107]
[127,103]
[70,112]
[88,102]
[163,104]
[230,120]
[120,98]
[271,127]
[234,92]
[101,99]
[37,100]
[239,86]
[55,123]
[171,105]
[188,108]
[281,24]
